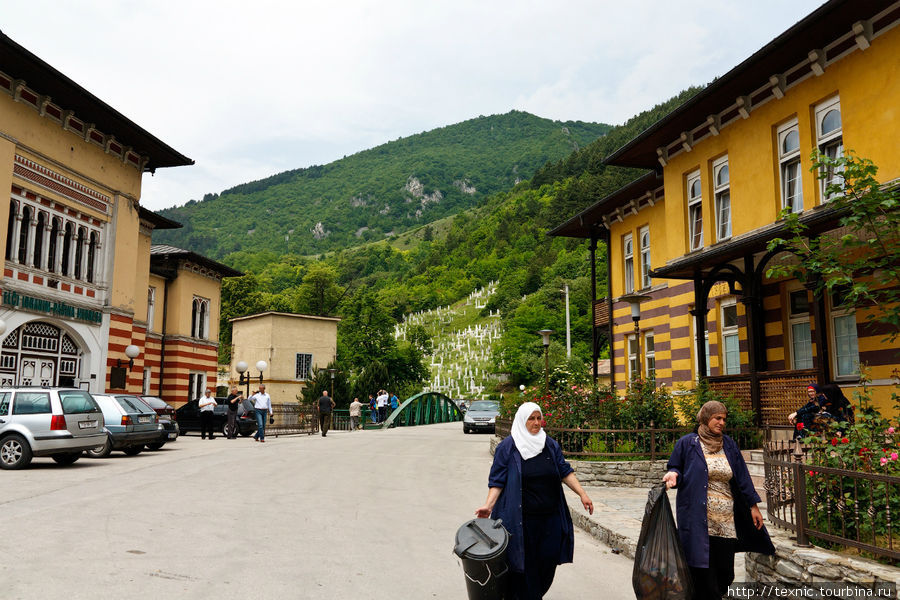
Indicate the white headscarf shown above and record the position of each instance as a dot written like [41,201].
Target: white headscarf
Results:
[528,445]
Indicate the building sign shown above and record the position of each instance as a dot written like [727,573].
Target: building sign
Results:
[50,307]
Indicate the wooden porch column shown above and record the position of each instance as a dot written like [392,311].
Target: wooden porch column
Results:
[595,351]
[751,299]
[699,311]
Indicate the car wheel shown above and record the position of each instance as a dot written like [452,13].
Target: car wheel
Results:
[66,459]
[15,453]
[100,451]
[134,450]
[155,445]
[225,429]
[465,429]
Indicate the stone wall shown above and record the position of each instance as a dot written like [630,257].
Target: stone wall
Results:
[805,567]
[619,473]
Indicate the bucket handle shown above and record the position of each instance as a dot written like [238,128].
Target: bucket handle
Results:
[479,532]
[488,576]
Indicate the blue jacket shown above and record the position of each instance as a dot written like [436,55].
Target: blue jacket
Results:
[690,504]
[506,473]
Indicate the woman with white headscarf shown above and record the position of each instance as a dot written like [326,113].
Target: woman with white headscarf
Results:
[524,491]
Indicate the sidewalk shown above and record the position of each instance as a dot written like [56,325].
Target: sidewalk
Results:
[616,521]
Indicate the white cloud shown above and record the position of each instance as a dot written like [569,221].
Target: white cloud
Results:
[249,89]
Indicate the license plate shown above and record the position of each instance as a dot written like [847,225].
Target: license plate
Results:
[144,419]
[172,436]
[87,424]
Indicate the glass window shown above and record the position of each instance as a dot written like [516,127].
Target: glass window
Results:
[846,349]
[304,366]
[650,356]
[31,403]
[77,402]
[39,240]
[789,160]
[731,352]
[200,317]
[829,137]
[145,384]
[4,403]
[695,211]
[151,305]
[628,253]
[25,228]
[723,199]
[801,336]
[632,345]
[644,235]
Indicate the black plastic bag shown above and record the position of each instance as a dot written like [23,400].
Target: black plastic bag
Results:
[660,569]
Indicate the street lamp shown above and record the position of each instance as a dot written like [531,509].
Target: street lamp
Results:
[635,301]
[332,372]
[132,352]
[545,338]
[244,374]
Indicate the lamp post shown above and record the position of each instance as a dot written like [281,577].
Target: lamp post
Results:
[332,373]
[244,374]
[635,301]
[545,338]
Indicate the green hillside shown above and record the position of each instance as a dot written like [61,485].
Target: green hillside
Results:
[379,192]
[502,240]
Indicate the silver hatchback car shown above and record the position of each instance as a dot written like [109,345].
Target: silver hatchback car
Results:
[57,422]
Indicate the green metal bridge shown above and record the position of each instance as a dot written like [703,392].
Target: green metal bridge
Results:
[424,408]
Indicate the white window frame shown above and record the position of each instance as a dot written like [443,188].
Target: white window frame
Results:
[628,262]
[151,307]
[644,240]
[196,384]
[695,205]
[297,374]
[722,194]
[830,143]
[730,334]
[649,356]
[631,357]
[799,319]
[200,317]
[789,163]
[835,313]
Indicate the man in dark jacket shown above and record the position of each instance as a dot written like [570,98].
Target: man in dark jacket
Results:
[326,406]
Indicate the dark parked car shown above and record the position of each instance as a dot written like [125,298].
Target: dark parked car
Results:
[189,418]
[168,426]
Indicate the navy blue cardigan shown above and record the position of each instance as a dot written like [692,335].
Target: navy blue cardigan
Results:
[690,504]
[506,473]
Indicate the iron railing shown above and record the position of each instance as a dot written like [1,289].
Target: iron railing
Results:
[626,444]
[854,507]
[292,418]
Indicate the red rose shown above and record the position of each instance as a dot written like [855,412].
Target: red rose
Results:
[844,440]
[834,441]
[800,426]
[811,473]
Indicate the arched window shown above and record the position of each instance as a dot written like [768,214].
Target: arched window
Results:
[79,252]
[200,317]
[68,239]
[25,229]
[52,243]
[92,256]
[11,228]
[39,240]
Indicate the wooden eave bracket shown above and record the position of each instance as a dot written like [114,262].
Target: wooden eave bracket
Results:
[862,31]
[714,122]
[743,106]
[687,140]
[662,154]
[817,61]
[778,85]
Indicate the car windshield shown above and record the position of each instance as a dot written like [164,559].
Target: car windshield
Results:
[75,402]
[154,402]
[485,405]
[132,404]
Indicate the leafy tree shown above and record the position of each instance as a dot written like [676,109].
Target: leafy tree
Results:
[860,259]
[319,293]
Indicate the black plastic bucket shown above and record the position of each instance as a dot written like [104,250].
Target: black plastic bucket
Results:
[481,545]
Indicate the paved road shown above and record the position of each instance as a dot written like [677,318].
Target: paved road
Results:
[363,515]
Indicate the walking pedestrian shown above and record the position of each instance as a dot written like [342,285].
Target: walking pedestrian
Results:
[716,505]
[233,401]
[355,408]
[262,402]
[373,409]
[524,491]
[326,406]
[395,402]
[207,405]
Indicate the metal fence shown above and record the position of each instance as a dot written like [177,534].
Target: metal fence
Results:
[853,507]
[293,419]
[626,444]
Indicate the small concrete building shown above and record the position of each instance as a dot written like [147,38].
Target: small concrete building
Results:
[292,345]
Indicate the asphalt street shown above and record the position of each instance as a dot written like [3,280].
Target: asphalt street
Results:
[362,515]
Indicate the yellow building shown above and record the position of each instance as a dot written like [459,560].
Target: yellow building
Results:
[77,288]
[693,232]
[291,345]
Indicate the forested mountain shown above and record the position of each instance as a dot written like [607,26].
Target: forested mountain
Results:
[503,239]
[379,192]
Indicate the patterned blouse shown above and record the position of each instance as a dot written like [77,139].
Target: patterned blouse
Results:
[719,503]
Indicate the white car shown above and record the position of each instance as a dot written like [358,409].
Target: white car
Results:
[57,422]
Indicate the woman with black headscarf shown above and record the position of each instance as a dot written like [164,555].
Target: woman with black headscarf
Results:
[716,503]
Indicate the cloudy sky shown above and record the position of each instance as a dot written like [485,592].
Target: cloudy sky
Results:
[252,88]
